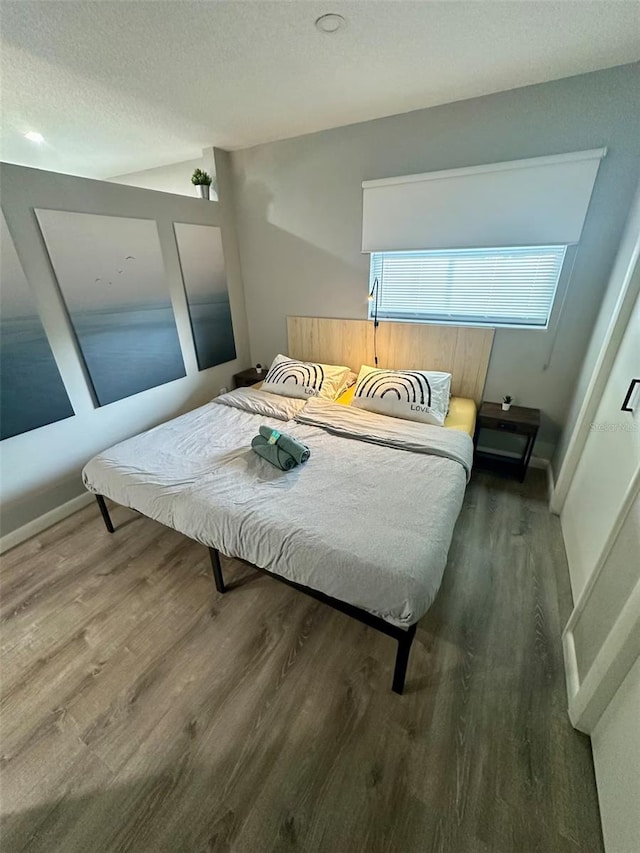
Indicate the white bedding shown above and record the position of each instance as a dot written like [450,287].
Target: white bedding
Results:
[363,522]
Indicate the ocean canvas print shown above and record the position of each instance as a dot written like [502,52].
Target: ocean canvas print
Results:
[32,393]
[205,283]
[112,278]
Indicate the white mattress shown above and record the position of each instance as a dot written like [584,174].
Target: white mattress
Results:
[367,523]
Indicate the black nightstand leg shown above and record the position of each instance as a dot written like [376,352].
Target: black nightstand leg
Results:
[527,456]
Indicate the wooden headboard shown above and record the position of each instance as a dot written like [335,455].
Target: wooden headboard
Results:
[462,351]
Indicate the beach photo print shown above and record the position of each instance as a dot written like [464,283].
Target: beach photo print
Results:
[112,279]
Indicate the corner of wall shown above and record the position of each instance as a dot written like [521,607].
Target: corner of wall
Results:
[227,201]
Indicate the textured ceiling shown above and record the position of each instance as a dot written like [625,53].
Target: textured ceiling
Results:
[115,87]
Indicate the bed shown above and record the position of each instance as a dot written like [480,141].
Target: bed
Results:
[365,525]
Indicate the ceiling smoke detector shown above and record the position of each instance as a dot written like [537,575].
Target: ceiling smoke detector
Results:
[330,23]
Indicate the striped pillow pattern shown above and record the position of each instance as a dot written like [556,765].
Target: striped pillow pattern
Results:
[415,395]
[303,379]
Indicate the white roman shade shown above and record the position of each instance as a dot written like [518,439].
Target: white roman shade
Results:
[537,202]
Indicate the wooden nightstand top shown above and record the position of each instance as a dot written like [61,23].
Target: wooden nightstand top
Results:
[248,377]
[249,373]
[516,415]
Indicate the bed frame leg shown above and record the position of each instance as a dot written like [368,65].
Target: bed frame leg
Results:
[402,659]
[105,513]
[217,570]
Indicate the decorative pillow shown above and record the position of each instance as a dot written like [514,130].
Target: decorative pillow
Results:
[415,395]
[303,379]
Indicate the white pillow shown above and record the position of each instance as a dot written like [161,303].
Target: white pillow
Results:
[415,395]
[304,379]
[350,379]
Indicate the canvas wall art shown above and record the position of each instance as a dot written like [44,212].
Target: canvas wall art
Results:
[32,393]
[205,283]
[112,278]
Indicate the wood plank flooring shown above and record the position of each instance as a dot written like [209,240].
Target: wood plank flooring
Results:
[142,711]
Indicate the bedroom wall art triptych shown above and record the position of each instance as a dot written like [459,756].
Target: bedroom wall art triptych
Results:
[111,276]
[32,393]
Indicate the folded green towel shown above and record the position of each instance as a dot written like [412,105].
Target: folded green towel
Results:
[297,449]
[273,454]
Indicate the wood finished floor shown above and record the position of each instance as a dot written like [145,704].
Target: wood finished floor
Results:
[142,711]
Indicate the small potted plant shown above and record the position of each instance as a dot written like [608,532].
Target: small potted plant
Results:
[202,182]
[507,400]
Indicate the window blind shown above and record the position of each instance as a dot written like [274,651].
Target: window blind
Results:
[495,287]
[534,202]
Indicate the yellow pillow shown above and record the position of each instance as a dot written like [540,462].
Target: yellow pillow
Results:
[347,396]
[461,415]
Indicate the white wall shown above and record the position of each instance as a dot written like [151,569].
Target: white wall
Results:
[616,756]
[40,470]
[299,210]
[174,178]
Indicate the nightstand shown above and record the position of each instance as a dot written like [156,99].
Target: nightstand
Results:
[248,377]
[519,420]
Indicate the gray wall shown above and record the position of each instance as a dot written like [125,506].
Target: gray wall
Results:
[174,178]
[40,470]
[299,209]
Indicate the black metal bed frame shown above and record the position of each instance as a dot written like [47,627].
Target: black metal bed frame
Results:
[404,636]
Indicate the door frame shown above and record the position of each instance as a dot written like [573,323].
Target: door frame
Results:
[589,697]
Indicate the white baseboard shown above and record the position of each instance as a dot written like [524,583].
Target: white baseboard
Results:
[545,465]
[32,528]
[551,485]
[539,462]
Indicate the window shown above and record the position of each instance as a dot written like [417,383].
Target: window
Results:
[485,287]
